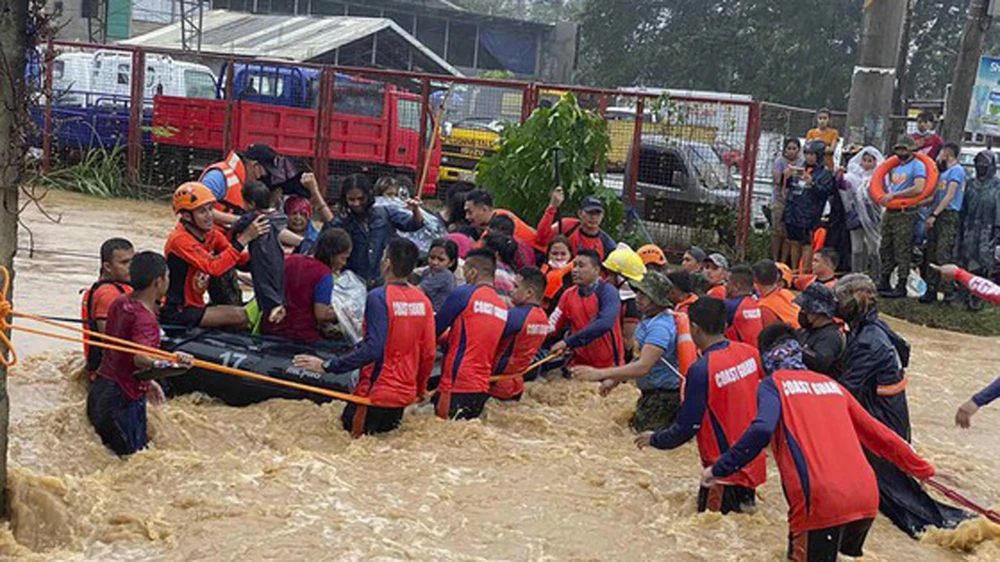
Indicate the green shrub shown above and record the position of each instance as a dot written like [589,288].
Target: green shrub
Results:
[99,173]
[520,175]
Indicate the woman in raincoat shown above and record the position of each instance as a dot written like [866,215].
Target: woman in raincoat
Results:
[873,370]
[864,216]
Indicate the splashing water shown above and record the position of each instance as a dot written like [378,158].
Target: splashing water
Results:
[553,477]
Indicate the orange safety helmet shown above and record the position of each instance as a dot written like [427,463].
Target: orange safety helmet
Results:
[192,195]
[786,274]
[652,254]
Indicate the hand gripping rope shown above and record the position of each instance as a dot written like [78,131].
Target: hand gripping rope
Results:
[108,342]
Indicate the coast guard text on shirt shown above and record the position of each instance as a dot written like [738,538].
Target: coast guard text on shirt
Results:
[793,387]
[737,373]
[409,309]
[487,308]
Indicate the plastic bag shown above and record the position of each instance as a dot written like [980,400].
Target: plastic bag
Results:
[915,284]
[348,301]
[433,227]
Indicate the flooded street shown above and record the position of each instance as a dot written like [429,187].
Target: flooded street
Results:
[555,477]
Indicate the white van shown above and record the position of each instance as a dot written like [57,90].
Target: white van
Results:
[104,78]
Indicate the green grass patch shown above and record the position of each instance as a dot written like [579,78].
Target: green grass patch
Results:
[98,172]
[953,317]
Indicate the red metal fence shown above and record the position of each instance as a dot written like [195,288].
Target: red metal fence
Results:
[688,162]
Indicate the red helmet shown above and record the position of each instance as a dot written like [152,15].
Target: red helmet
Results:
[192,195]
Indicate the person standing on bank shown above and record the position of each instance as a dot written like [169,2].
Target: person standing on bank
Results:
[826,134]
[808,191]
[906,180]
[867,238]
[979,218]
[791,157]
[942,224]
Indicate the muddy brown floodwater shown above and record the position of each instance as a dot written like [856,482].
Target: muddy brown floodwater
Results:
[554,477]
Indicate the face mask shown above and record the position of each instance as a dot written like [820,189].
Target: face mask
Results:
[981,171]
[848,312]
[558,264]
[804,320]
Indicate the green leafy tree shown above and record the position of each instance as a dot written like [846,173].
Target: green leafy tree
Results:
[521,173]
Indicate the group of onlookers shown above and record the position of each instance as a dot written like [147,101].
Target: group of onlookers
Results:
[885,229]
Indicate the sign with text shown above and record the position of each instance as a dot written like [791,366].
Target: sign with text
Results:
[984,109]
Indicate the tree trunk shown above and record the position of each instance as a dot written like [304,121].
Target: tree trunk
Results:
[874,78]
[13,117]
[963,79]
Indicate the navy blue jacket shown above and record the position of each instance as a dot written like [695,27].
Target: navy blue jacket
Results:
[805,203]
[370,234]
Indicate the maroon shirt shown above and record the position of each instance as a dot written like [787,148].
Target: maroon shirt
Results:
[128,319]
[302,275]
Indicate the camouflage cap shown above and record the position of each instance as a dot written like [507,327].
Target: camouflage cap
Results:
[656,286]
[818,299]
[905,141]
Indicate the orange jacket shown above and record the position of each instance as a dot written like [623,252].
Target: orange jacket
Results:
[777,306]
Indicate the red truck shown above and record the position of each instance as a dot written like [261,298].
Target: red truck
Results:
[374,127]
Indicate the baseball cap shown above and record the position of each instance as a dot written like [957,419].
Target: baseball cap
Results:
[592,203]
[718,259]
[697,253]
[905,141]
[263,155]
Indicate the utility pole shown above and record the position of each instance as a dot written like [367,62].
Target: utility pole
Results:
[13,117]
[902,73]
[874,80]
[963,79]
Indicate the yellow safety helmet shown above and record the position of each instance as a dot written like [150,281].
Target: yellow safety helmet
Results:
[624,261]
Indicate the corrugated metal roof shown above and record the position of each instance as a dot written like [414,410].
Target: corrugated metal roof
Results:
[296,38]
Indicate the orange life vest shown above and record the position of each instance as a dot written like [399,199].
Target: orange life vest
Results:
[687,352]
[94,354]
[236,175]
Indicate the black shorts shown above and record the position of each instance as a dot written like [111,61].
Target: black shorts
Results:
[372,420]
[463,405]
[119,421]
[185,316]
[799,234]
[822,545]
[724,498]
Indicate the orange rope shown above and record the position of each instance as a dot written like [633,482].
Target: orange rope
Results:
[133,348]
[125,346]
[5,311]
[532,367]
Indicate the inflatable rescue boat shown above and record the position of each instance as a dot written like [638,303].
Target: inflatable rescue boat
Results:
[263,355]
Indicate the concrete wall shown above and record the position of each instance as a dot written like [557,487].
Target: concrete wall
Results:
[558,56]
[72,24]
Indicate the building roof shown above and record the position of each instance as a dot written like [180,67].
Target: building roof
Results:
[295,38]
